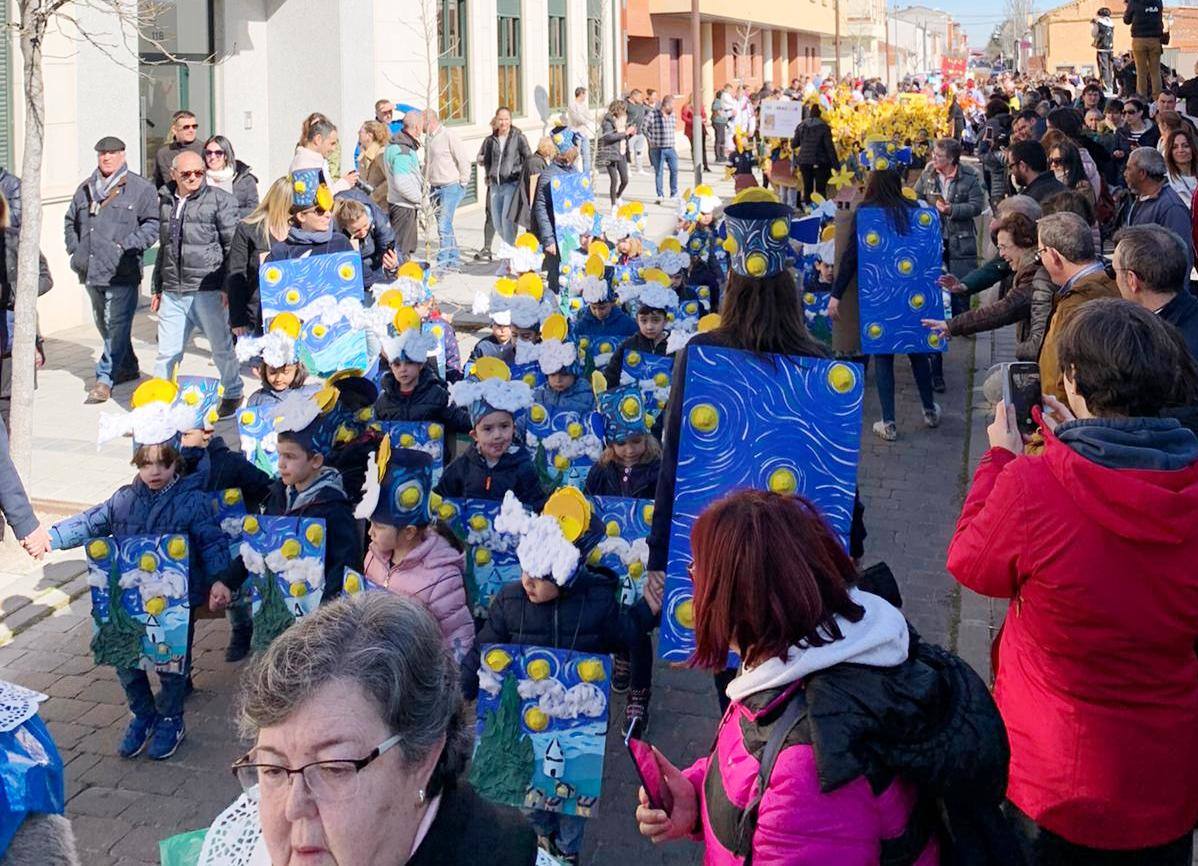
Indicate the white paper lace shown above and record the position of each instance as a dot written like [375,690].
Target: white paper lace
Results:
[17,705]
[235,837]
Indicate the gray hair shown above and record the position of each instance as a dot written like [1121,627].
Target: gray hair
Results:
[1149,160]
[1068,234]
[951,148]
[1023,204]
[388,645]
[1156,255]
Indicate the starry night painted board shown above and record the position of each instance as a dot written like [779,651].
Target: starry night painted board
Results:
[140,607]
[426,436]
[896,281]
[292,285]
[326,347]
[748,422]
[565,445]
[229,508]
[541,728]
[653,373]
[624,547]
[490,556]
[285,560]
[573,211]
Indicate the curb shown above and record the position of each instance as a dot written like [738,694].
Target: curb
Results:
[45,604]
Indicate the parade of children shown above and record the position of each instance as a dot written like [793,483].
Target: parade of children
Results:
[643,463]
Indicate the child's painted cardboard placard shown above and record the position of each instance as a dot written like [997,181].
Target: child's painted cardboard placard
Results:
[815,313]
[426,436]
[565,445]
[784,423]
[140,607]
[292,285]
[595,350]
[624,548]
[354,582]
[490,556]
[653,373]
[259,441]
[229,508]
[285,560]
[542,728]
[437,329]
[573,213]
[326,347]
[897,282]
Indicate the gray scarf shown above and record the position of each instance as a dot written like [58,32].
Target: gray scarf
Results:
[101,186]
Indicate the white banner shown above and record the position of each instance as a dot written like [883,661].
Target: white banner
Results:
[779,117]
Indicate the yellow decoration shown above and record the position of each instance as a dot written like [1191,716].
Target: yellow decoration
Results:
[326,398]
[446,511]
[314,533]
[828,234]
[808,297]
[410,270]
[918,301]
[97,548]
[298,590]
[594,556]
[841,177]
[635,569]
[874,330]
[383,457]
[410,496]
[482,556]
[780,229]
[574,430]
[571,509]
[538,413]
[756,264]
[817,199]
[554,327]
[905,266]
[290,548]
[147,562]
[595,266]
[632,359]
[784,481]
[272,275]
[630,407]
[661,380]
[612,529]
[478,523]
[435,432]
[598,382]
[352,584]
[527,241]
[561,462]
[538,669]
[176,547]
[647,513]
[505,287]
[531,284]
[605,347]
[154,391]
[535,719]
[324,198]
[925,219]
[841,378]
[346,271]
[249,525]
[231,496]
[669,245]
[684,614]
[591,671]
[599,250]
[730,246]
[934,340]
[407,440]
[247,417]
[497,659]
[872,238]
[156,605]
[291,296]
[492,368]
[656,275]
[705,418]
[406,319]
[529,379]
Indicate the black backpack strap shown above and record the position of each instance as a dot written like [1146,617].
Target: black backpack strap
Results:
[790,716]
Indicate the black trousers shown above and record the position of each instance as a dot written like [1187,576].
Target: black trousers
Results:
[815,179]
[1044,848]
[617,171]
[720,130]
[403,222]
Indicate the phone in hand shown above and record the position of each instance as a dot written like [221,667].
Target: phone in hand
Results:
[1021,390]
[649,773]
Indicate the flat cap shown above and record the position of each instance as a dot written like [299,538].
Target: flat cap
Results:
[109,144]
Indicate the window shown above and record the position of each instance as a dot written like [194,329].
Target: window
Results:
[451,61]
[509,55]
[557,54]
[595,60]
[6,154]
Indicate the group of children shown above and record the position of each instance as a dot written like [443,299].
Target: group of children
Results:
[599,356]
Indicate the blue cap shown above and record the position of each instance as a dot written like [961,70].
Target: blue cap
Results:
[623,412]
[761,233]
[404,488]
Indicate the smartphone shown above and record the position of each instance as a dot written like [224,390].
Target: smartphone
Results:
[649,773]
[1021,389]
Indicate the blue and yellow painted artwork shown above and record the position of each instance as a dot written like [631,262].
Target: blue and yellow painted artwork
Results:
[354,582]
[285,559]
[229,507]
[565,445]
[573,212]
[653,374]
[259,441]
[437,329]
[595,350]
[541,730]
[490,556]
[292,285]
[426,436]
[529,373]
[783,423]
[325,348]
[815,314]
[140,607]
[624,547]
[896,281]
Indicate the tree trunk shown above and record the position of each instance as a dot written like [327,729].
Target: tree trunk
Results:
[25,328]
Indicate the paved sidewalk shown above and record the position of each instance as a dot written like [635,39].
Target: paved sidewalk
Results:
[121,809]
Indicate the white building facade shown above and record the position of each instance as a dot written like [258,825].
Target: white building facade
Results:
[251,70]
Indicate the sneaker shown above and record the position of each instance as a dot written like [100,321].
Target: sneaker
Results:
[168,734]
[137,735]
[636,714]
[938,384]
[931,417]
[621,674]
[657,201]
[887,430]
[239,643]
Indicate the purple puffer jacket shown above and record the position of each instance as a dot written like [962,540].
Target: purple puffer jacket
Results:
[432,572]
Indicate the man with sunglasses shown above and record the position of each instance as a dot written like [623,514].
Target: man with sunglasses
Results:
[196,226]
[183,135]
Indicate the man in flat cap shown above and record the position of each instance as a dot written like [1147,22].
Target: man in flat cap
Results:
[112,221]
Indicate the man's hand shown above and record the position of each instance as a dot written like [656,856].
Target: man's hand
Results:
[390,261]
[834,309]
[38,542]
[938,326]
[351,177]
[943,206]
[551,250]
[155,302]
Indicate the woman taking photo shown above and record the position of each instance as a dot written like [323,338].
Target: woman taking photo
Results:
[255,235]
[1096,675]
[614,133]
[360,738]
[373,138]
[225,171]
[773,584]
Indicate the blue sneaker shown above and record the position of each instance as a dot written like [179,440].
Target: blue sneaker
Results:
[136,736]
[168,734]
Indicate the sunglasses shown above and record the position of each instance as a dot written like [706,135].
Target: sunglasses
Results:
[318,210]
[189,126]
[1056,160]
[1130,111]
[214,153]
[199,172]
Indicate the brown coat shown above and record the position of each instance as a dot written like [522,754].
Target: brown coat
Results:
[1013,306]
[373,173]
[1089,287]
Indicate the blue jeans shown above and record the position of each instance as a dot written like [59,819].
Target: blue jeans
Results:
[136,684]
[178,315]
[502,195]
[884,378]
[446,198]
[586,152]
[660,157]
[113,308]
[565,830]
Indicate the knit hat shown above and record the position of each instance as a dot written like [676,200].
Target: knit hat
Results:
[399,482]
[490,388]
[758,237]
[154,419]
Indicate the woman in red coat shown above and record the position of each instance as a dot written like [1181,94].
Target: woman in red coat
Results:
[687,117]
[1095,542]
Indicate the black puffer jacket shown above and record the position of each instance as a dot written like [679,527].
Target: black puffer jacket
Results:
[195,246]
[250,244]
[635,482]
[429,401]
[222,468]
[586,617]
[470,476]
[813,143]
[636,343]
[1144,16]
[245,189]
[504,166]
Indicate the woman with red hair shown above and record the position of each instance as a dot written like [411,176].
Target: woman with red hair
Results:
[773,584]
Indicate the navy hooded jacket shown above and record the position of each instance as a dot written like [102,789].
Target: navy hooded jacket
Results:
[470,477]
[428,401]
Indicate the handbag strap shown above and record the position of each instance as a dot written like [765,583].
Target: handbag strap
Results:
[794,710]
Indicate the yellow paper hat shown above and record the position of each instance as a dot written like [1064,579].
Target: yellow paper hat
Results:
[669,245]
[528,241]
[531,284]
[411,270]
[655,275]
[288,323]
[600,249]
[554,327]
[571,509]
[505,287]
[405,320]
[708,323]
[392,298]
[492,368]
[154,391]
[595,266]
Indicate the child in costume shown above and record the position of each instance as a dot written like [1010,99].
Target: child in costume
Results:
[559,602]
[654,301]
[279,367]
[159,501]
[493,464]
[413,282]
[411,391]
[218,467]
[601,316]
[499,343]
[564,390]
[407,555]
[632,457]
[306,487]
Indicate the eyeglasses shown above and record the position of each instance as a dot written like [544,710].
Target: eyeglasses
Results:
[327,781]
[189,126]
[1056,160]
[199,172]
[214,153]
[1129,111]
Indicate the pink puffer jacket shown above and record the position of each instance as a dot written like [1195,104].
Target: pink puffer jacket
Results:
[432,572]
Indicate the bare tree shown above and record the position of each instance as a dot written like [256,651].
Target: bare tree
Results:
[1015,23]
[745,33]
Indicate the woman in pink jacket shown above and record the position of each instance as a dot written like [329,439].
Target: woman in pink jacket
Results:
[407,555]
[771,583]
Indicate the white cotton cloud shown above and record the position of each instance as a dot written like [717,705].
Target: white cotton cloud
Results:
[544,552]
[252,559]
[588,445]
[508,396]
[231,526]
[295,412]
[527,352]
[582,700]
[556,355]
[276,348]
[489,681]
[592,289]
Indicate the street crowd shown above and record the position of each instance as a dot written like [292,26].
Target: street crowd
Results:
[1061,206]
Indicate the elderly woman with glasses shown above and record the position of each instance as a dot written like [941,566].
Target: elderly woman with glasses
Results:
[360,736]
